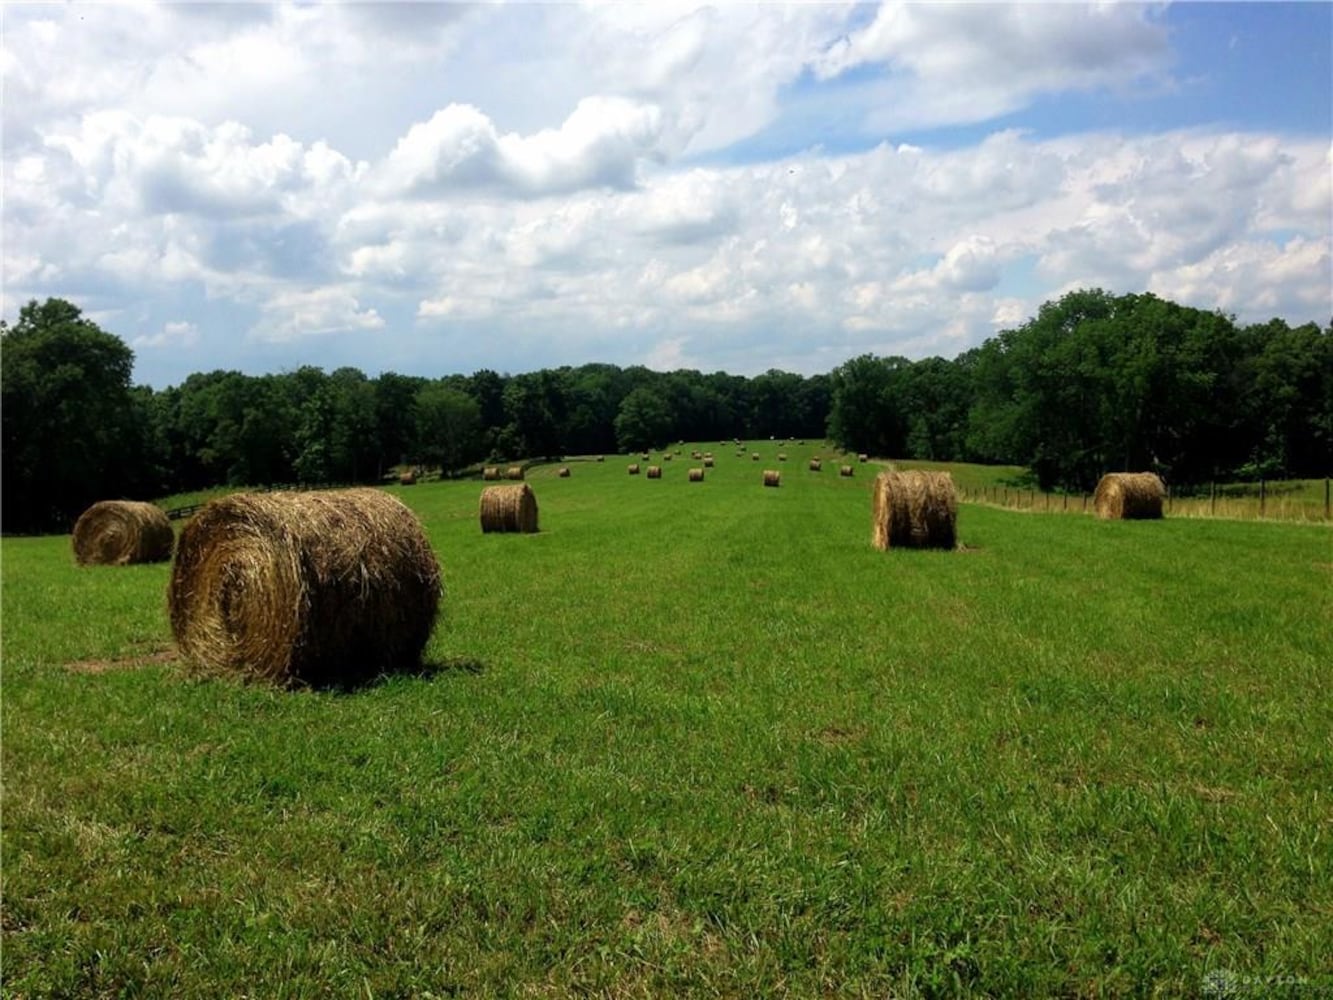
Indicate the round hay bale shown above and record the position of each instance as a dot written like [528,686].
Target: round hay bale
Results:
[490,473]
[563,472]
[654,472]
[1129,496]
[666,457]
[754,456]
[120,532]
[782,457]
[514,472]
[845,470]
[708,461]
[815,465]
[408,478]
[509,509]
[914,510]
[772,477]
[863,457]
[633,468]
[696,475]
[304,588]
[601,458]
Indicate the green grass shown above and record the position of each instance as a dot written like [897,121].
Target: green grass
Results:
[698,739]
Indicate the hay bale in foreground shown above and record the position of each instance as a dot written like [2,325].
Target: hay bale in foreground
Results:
[490,473]
[509,509]
[514,472]
[815,465]
[563,472]
[914,510]
[772,477]
[120,532]
[1128,496]
[696,475]
[632,468]
[845,470]
[319,588]
[654,472]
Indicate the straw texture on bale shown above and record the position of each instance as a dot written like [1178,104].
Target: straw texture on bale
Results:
[509,508]
[119,532]
[304,588]
[490,473]
[633,468]
[1129,495]
[654,472]
[845,470]
[772,477]
[563,473]
[914,510]
[696,475]
[815,465]
[514,472]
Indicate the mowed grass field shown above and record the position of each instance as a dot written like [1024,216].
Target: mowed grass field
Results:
[698,740]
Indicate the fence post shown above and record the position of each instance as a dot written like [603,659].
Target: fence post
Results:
[1066,501]
[1263,497]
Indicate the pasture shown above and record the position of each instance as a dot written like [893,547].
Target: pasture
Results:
[697,739]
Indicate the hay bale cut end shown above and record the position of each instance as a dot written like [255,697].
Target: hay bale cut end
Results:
[772,477]
[509,509]
[120,532]
[696,475]
[514,472]
[914,510]
[845,470]
[1129,496]
[320,588]
[815,465]
[490,473]
[563,472]
[654,472]
[632,468]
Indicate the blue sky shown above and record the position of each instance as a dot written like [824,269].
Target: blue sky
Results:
[432,188]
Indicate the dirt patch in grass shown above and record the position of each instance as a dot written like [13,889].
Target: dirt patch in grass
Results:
[134,661]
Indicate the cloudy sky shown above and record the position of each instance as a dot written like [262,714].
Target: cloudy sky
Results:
[436,188]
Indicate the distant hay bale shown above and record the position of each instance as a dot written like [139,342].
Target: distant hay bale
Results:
[696,475]
[754,456]
[772,477]
[654,472]
[696,455]
[633,468]
[318,588]
[815,465]
[514,472]
[491,472]
[1129,495]
[120,532]
[644,457]
[845,470]
[408,478]
[863,457]
[914,510]
[708,461]
[782,456]
[563,472]
[601,458]
[509,509]
[666,457]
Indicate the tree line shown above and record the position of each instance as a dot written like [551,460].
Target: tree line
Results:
[1094,382]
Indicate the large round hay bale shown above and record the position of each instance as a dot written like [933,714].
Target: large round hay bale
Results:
[845,470]
[514,472]
[304,588]
[914,510]
[772,477]
[815,465]
[696,475]
[490,473]
[654,472]
[509,508]
[119,532]
[1129,495]
[632,468]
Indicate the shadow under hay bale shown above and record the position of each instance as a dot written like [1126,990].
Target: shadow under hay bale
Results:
[914,510]
[772,477]
[321,589]
[514,472]
[490,473]
[509,509]
[696,475]
[654,472]
[1129,496]
[121,532]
